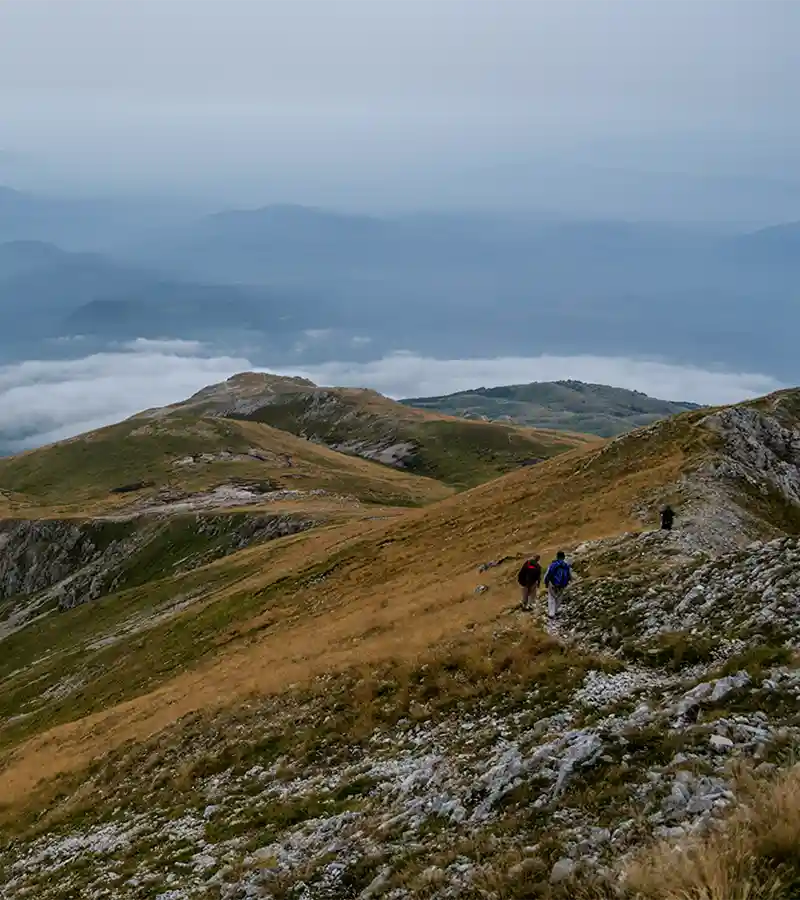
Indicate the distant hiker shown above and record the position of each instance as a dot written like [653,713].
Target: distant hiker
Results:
[667,518]
[529,578]
[556,580]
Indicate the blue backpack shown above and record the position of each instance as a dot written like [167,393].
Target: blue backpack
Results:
[559,574]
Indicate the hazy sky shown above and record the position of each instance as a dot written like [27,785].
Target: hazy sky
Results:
[306,88]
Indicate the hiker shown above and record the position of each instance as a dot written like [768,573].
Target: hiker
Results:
[556,580]
[667,518]
[529,578]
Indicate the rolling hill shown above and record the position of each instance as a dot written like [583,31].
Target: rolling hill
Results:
[181,459]
[362,422]
[568,405]
[356,709]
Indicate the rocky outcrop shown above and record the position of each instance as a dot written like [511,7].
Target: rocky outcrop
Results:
[745,485]
[34,555]
[62,564]
[759,448]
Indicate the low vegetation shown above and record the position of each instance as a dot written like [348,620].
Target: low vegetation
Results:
[565,405]
[754,856]
[170,459]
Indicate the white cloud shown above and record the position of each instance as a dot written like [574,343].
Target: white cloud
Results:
[46,400]
[406,374]
[165,345]
[318,334]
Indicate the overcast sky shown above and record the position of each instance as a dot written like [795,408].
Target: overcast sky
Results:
[307,85]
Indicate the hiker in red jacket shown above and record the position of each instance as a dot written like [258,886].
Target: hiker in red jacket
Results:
[529,578]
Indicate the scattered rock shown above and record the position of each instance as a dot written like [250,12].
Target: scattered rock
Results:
[562,870]
[720,743]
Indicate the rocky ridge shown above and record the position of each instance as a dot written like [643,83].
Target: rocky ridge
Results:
[673,668]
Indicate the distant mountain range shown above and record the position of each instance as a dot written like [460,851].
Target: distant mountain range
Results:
[565,405]
[449,285]
[48,292]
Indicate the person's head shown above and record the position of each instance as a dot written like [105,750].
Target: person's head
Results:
[536,557]
[561,555]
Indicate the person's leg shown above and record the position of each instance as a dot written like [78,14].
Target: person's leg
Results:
[552,602]
[525,597]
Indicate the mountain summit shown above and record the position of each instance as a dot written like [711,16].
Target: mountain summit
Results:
[365,423]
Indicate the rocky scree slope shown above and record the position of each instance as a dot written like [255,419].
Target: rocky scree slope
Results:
[516,765]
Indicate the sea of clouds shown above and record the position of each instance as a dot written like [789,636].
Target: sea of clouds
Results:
[44,400]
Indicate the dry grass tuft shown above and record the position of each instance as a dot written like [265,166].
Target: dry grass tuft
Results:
[754,856]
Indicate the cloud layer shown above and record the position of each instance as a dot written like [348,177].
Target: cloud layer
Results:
[409,375]
[47,400]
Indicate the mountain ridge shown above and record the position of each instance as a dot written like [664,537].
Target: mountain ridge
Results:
[293,715]
[566,404]
[365,423]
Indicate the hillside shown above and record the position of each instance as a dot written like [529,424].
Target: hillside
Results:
[362,422]
[358,709]
[568,405]
[185,459]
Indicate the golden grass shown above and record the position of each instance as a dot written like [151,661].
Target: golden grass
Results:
[398,588]
[326,715]
[756,856]
[74,477]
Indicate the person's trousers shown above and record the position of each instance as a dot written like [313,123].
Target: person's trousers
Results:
[529,596]
[554,596]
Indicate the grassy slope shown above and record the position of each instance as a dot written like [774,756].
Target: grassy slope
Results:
[592,408]
[358,594]
[450,449]
[76,476]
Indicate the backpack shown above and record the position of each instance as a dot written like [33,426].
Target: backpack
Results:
[559,574]
[524,577]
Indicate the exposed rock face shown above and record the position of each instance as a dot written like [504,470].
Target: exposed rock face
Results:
[34,555]
[397,454]
[760,448]
[68,563]
[748,485]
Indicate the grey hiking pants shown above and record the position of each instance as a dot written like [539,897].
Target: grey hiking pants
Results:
[554,595]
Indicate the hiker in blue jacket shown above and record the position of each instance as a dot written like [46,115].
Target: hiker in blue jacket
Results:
[556,580]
